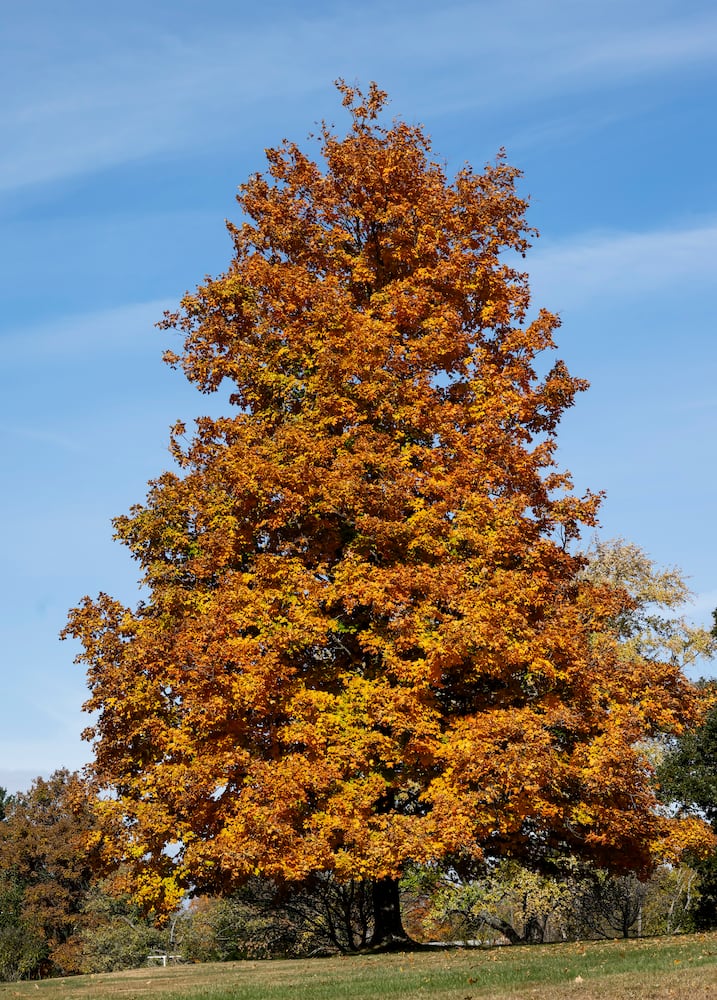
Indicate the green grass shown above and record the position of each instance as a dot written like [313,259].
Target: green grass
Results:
[681,967]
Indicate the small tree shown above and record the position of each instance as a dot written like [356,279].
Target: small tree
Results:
[508,900]
[650,623]
[365,640]
[114,934]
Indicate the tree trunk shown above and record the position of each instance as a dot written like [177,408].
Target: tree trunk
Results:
[506,929]
[387,925]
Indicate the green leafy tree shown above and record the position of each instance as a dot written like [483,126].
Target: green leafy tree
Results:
[5,802]
[688,778]
[688,772]
[23,949]
[114,934]
[508,900]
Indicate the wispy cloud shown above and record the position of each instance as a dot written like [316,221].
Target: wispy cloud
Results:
[117,99]
[42,436]
[122,332]
[580,269]
[641,48]
[703,604]
[19,779]
[83,98]
[521,52]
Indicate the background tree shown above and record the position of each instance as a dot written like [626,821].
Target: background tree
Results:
[577,901]
[114,934]
[23,950]
[266,920]
[509,901]
[365,640]
[688,773]
[688,778]
[46,855]
[650,623]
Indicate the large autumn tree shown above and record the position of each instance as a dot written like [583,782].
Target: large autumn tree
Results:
[364,639]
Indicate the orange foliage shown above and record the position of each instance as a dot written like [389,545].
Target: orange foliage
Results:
[365,638]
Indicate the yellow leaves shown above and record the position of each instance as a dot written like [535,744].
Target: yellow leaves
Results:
[157,895]
[582,816]
[682,837]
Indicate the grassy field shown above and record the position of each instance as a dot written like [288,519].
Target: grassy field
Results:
[683,968]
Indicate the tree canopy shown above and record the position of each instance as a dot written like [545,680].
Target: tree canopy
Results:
[688,772]
[47,849]
[687,778]
[649,624]
[364,637]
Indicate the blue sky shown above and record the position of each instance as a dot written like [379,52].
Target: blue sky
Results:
[126,131]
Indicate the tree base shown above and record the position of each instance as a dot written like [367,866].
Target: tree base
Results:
[396,944]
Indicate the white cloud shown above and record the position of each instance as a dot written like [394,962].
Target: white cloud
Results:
[121,331]
[584,268]
[36,435]
[643,48]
